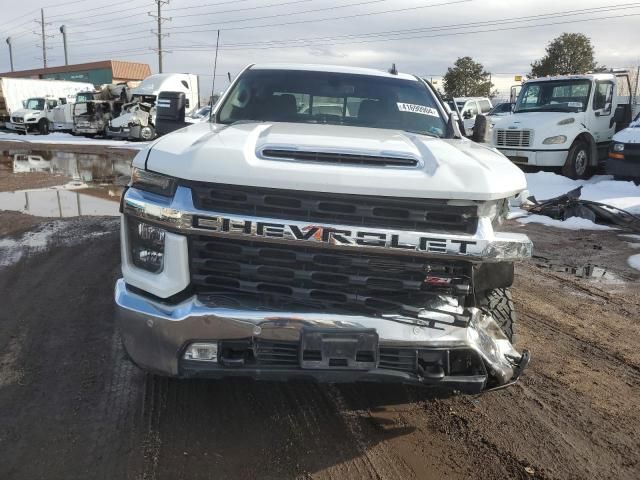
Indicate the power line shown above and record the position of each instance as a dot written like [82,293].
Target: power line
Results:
[271,5]
[287,42]
[85,10]
[257,47]
[315,20]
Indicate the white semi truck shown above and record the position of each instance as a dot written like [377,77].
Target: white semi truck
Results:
[566,121]
[137,120]
[28,105]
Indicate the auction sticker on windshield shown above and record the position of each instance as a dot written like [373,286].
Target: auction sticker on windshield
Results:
[421,109]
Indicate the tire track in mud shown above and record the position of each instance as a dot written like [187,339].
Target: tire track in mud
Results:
[380,461]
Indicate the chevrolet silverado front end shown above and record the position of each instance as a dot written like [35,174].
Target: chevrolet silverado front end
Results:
[357,242]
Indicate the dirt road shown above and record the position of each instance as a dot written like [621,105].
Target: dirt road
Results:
[72,406]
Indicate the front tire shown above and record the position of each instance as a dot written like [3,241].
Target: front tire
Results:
[43,127]
[578,163]
[499,304]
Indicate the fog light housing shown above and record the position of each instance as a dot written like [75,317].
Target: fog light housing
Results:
[146,245]
[202,352]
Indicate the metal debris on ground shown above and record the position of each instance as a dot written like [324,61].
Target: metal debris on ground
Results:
[571,205]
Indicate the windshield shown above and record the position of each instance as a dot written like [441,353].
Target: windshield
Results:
[501,108]
[554,96]
[333,98]
[35,104]
[84,97]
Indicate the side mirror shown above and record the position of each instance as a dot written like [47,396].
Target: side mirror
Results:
[24,104]
[466,115]
[618,116]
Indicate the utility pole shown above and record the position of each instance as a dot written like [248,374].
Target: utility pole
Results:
[63,31]
[43,24]
[10,52]
[159,33]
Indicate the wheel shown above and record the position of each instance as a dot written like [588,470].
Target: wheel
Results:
[499,304]
[43,127]
[578,164]
[147,133]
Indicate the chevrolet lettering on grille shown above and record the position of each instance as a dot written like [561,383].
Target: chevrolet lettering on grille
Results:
[333,235]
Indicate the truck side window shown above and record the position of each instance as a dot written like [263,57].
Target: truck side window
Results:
[602,98]
[485,106]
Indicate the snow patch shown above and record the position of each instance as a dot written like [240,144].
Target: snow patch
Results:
[573,223]
[12,250]
[33,242]
[599,188]
[634,261]
[67,138]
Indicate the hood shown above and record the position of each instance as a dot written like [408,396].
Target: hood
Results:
[25,112]
[451,169]
[536,120]
[629,135]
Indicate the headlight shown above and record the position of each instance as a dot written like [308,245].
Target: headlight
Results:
[618,147]
[146,244]
[555,140]
[496,211]
[153,182]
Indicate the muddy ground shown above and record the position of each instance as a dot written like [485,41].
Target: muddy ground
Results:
[73,407]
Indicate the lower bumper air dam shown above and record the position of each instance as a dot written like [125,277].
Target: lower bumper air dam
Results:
[271,345]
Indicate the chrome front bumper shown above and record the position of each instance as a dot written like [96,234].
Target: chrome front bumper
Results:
[156,335]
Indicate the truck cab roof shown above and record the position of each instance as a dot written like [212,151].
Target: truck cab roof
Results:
[330,68]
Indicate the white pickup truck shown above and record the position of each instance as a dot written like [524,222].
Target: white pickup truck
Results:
[565,121]
[358,242]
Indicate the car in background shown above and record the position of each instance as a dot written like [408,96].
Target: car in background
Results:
[470,108]
[623,161]
[200,115]
[501,110]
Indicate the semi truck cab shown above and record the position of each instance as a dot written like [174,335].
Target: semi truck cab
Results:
[566,121]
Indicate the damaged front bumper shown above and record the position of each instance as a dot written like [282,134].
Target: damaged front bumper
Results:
[274,345]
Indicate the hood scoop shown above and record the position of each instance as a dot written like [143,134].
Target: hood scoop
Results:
[395,159]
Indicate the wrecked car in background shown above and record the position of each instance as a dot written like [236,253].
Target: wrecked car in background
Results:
[137,120]
[624,154]
[93,110]
[278,241]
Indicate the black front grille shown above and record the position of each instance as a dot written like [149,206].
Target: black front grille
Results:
[276,353]
[403,359]
[340,158]
[413,214]
[274,276]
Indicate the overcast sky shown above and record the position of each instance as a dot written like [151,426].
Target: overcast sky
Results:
[423,37]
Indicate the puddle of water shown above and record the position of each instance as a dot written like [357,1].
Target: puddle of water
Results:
[587,271]
[112,168]
[56,202]
[95,189]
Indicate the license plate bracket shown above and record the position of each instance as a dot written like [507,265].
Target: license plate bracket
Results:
[346,349]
